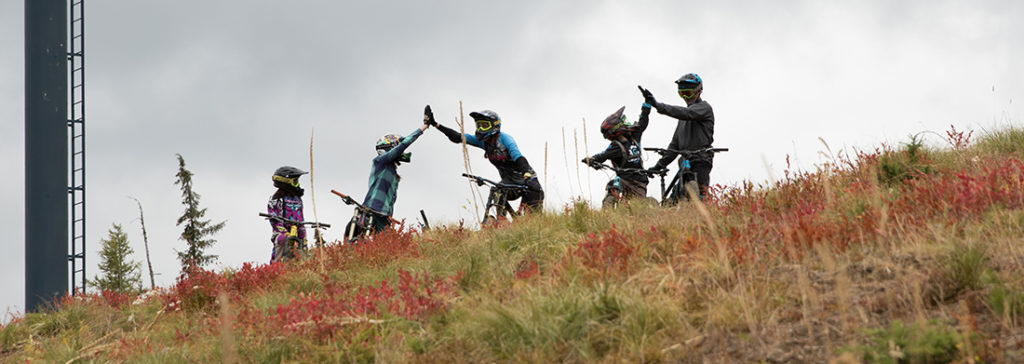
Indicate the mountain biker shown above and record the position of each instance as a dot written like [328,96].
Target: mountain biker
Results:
[624,150]
[501,150]
[384,176]
[695,129]
[286,203]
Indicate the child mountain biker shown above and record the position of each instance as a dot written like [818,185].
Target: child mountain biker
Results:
[286,203]
[501,150]
[624,151]
[384,176]
[695,129]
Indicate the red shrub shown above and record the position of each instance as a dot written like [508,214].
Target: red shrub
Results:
[377,250]
[415,297]
[195,289]
[250,278]
[117,300]
[526,269]
[610,252]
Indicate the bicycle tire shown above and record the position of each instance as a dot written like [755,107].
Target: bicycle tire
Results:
[609,201]
[691,190]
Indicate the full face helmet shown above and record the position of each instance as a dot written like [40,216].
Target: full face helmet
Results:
[488,123]
[615,125]
[388,142]
[287,176]
[690,86]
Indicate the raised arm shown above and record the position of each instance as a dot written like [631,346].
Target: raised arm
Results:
[645,118]
[456,137]
[395,153]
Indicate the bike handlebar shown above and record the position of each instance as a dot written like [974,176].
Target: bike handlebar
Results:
[348,200]
[686,152]
[294,222]
[646,172]
[351,201]
[480,181]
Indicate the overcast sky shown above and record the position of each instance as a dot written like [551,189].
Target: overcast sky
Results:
[239,88]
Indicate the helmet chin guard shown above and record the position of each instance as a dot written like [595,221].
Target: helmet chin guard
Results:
[488,123]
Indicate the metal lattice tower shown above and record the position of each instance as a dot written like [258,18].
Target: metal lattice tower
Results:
[76,140]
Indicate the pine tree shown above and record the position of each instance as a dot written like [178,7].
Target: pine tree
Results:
[119,274]
[197,231]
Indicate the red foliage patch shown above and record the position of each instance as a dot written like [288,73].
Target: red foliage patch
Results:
[415,297]
[251,278]
[526,269]
[117,300]
[809,208]
[375,251]
[198,288]
[611,252]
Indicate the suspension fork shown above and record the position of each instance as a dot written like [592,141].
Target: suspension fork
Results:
[493,199]
[673,186]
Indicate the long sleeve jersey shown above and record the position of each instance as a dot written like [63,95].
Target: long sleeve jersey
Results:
[695,130]
[384,178]
[288,207]
[504,154]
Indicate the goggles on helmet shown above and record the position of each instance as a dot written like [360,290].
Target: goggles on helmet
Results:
[292,181]
[688,93]
[484,125]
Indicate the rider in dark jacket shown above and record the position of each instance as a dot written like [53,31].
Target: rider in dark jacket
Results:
[624,150]
[501,150]
[695,130]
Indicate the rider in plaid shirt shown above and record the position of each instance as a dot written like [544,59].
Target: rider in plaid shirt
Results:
[384,176]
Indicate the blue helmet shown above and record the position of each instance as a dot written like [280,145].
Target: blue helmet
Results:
[488,123]
[691,83]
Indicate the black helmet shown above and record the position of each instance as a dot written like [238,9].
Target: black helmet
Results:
[487,123]
[287,176]
[615,125]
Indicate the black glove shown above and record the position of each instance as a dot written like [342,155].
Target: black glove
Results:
[590,162]
[428,117]
[648,96]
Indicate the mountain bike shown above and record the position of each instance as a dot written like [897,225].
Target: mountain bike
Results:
[363,220]
[615,191]
[293,246]
[684,183]
[497,199]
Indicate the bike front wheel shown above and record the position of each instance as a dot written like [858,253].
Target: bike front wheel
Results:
[610,201]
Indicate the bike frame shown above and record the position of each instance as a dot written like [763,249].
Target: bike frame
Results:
[361,224]
[683,175]
[497,198]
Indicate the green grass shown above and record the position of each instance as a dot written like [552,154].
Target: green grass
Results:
[931,342]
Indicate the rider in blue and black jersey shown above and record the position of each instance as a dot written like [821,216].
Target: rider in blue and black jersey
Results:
[501,150]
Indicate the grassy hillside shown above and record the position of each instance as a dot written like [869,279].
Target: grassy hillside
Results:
[907,253]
